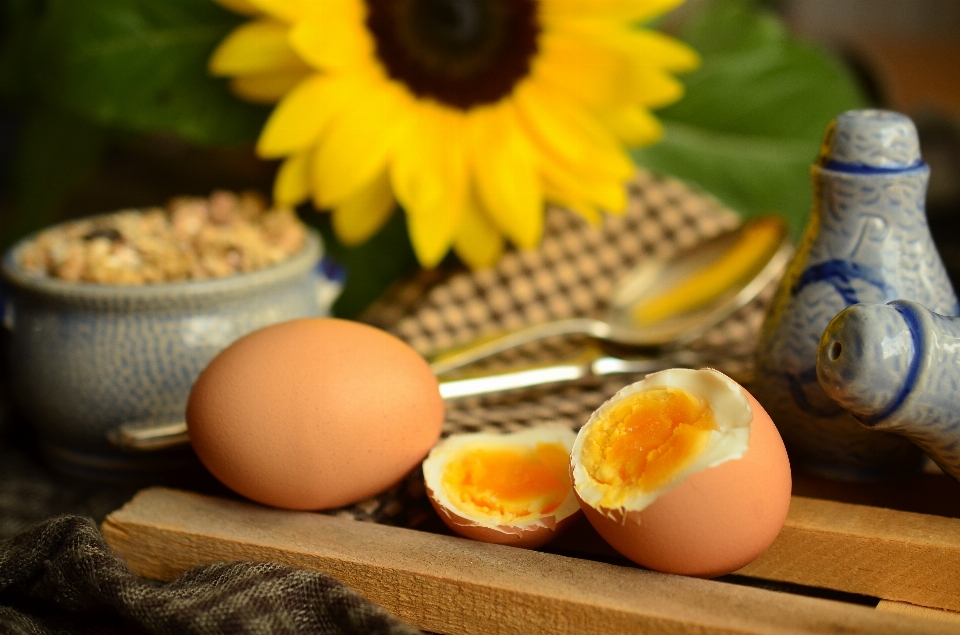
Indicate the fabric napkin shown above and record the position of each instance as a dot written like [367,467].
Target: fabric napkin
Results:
[61,577]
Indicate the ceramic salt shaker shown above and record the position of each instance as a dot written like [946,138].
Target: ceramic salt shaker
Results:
[867,241]
[896,367]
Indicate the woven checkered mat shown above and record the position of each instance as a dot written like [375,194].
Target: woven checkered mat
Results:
[571,274]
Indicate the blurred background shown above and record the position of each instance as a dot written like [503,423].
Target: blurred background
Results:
[60,162]
[906,54]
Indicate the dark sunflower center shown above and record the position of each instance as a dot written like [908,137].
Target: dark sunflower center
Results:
[451,24]
[463,53]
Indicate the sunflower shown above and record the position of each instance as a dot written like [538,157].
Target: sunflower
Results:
[472,114]
[258,55]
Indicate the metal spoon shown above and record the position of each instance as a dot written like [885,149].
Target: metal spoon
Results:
[642,287]
[638,315]
[593,363]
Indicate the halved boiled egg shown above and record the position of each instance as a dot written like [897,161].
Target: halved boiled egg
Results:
[504,488]
[683,472]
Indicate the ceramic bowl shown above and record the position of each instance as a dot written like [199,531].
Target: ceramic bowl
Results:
[84,359]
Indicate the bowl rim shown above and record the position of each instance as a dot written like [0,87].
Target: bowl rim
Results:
[304,260]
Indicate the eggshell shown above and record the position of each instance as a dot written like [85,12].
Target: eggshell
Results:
[527,537]
[528,534]
[715,521]
[728,405]
[314,413]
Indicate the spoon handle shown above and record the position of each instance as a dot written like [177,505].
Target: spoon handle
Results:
[448,361]
[595,365]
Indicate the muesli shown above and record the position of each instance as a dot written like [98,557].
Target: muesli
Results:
[192,238]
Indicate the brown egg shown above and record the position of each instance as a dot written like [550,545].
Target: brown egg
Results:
[314,413]
[701,487]
[511,489]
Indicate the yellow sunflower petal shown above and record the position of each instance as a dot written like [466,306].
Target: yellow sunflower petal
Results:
[570,135]
[644,57]
[333,36]
[292,184]
[243,7]
[428,175]
[563,189]
[505,166]
[286,10]
[478,242]
[296,122]
[357,144]
[268,88]
[634,125]
[642,46]
[565,199]
[595,75]
[654,47]
[652,87]
[255,47]
[360,216]
[630,10]
[581,193]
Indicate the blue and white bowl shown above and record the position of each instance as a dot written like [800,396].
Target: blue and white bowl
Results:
[84,359]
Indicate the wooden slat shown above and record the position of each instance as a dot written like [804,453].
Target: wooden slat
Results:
[920,611]
[889,554]
[452,585]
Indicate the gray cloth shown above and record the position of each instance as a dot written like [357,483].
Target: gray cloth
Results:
[30,493]
[60,577]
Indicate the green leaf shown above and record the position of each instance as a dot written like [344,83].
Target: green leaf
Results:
[55,154]
[141,65]
[754,113]
[372,266]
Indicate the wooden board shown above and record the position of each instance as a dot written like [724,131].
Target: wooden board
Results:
[921,611]
[451,585]
[884,553]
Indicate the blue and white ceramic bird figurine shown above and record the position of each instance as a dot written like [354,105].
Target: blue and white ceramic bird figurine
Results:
[867,241]
[896,367]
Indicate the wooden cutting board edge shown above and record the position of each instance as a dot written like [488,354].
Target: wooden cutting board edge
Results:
[451,585]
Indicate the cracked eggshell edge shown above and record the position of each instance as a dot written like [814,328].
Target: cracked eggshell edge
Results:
[531,535]
[733,414]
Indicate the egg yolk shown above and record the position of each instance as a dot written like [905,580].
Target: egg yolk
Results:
[508,484]
[641,442]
